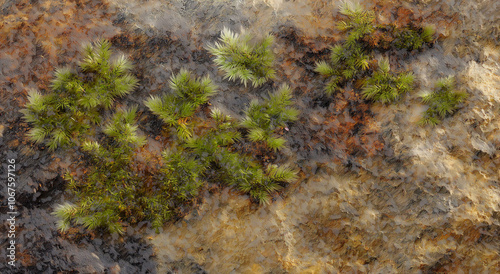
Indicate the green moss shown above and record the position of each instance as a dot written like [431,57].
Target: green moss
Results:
[351,58]
[442,101]
[235,169]
[411,39]
[109,191]
[264,119]
[387,87]
[113,188]
[221,135]
[188,93]
[243,60]
[73,105]
[183,175]
[359,23]
[261,185]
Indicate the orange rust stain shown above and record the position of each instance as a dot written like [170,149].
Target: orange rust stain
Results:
[348,128]
[34,41]
[25,258]
[404,16]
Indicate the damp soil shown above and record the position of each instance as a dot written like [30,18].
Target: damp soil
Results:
[377,192]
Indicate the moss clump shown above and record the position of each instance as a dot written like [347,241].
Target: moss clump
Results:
[241,59]
[216,140]
[234,169]
[352,57]
[115,187]
[259,184]
[263,119]
[175,108]
[359,24]
[442,101]
[73,105]
[209,152]
[183,174]
[387,87]
[110,191]
[408,38]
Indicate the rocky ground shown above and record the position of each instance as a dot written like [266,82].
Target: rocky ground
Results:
[377,193]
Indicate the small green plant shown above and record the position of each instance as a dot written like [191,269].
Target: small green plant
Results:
[407,38]
[262,185]
[442,101]
[220,136]
[188,94]
[55,120]
[235,169]
[106,80]
[183,174]
[240,59]
[360,22]
[177,183]
[108,192]
[77,97]
[263,119]
[350,58]
[386,87]
[243,173]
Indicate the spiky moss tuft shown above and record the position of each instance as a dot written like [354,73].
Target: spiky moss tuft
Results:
[411,39]
[108,192]
[243,60]
[387,87]
[442,101]
[73,105]
[232,168]
[263,119]
[350,58]
[188,94]
[246,175]
[360,21]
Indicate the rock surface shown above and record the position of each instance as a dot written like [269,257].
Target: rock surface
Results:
[377,193]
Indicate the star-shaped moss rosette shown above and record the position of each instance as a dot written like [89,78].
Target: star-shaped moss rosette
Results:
[385,86]
[242,59]
[442,101]
[188,94]
[263,119]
